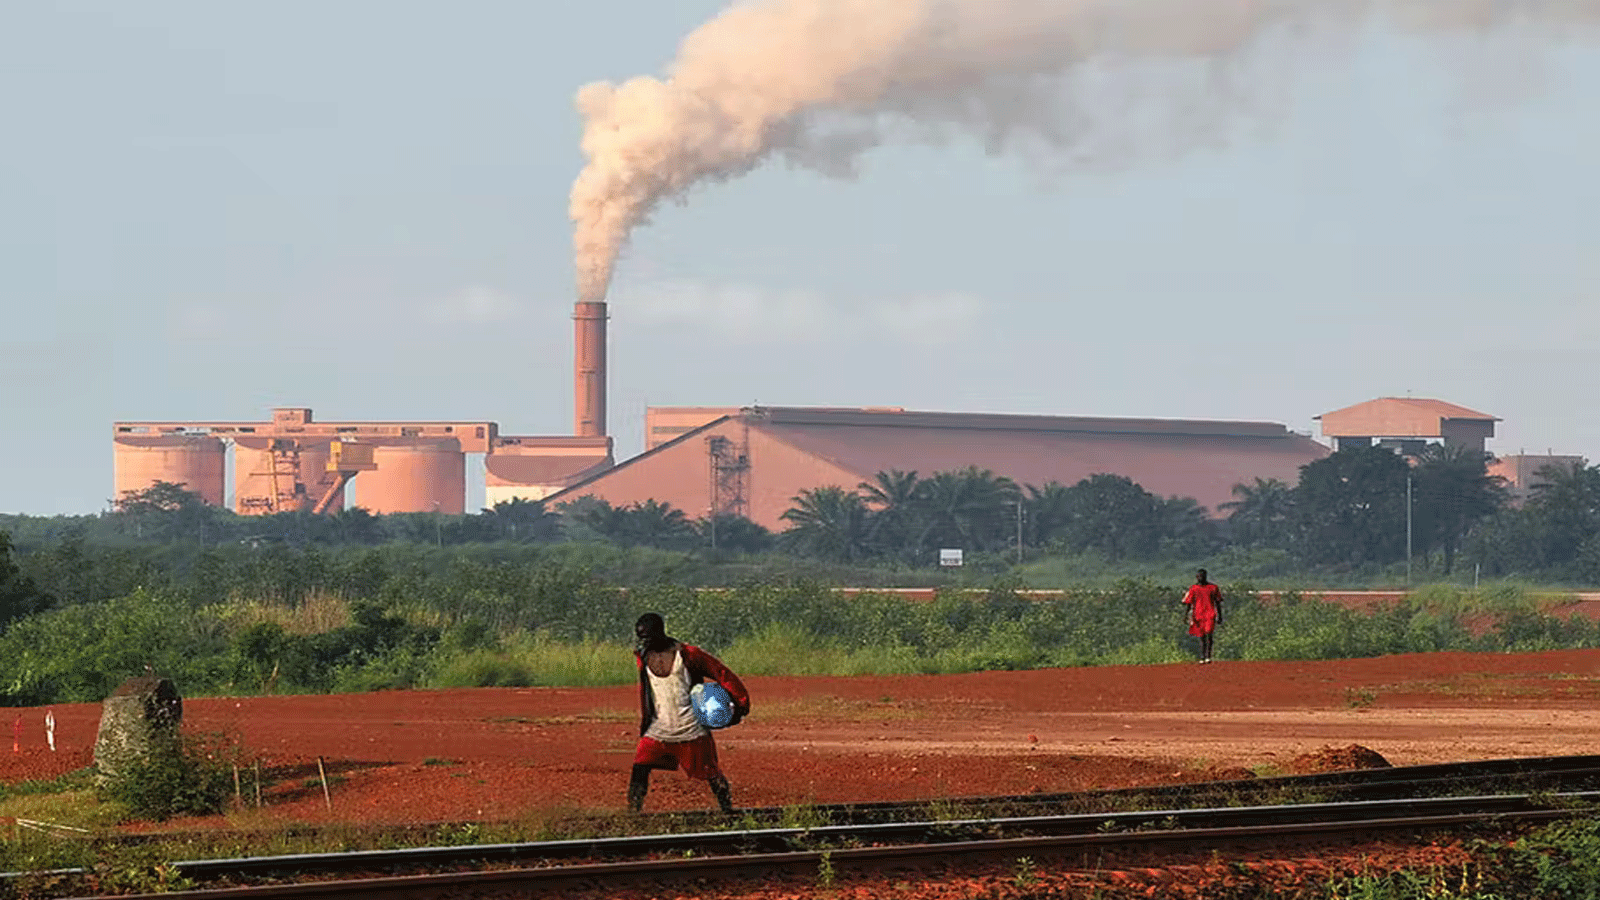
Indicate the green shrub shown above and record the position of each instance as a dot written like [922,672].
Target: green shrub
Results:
[1557,861]
[482,668]
[526,660]
[1151,651]
[191,775]
[782,648]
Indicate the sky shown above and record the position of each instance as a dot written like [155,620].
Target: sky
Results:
[211,209]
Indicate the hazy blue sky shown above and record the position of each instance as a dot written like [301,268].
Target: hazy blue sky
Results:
[211,208]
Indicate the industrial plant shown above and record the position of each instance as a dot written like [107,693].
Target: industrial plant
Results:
[295,463]
[744,461]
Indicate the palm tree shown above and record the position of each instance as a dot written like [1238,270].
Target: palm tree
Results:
[598,516]
[894,496]
[656,524]
[829,522]
[521,519]
[1185,526]
[1262,513]
[1565,503]
[1453,491]
[1573,490]
[1048,511]
[971,508]
[727,531]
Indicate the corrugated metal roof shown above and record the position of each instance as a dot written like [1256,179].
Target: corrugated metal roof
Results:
[991,422]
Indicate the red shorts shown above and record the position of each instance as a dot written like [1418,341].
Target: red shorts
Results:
[1200,626]
[698,757]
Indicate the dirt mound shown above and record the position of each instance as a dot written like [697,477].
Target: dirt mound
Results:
[1337,759]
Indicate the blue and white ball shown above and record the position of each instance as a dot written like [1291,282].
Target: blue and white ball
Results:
[712,705]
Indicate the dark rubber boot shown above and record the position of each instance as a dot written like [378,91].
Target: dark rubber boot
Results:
[724,794]
[638,786]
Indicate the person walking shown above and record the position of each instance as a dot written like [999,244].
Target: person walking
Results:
[1204,614]
[670,736]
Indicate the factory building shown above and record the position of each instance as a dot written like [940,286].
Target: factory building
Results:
[1407,425]
[752,461]
[295,463]
[747,461]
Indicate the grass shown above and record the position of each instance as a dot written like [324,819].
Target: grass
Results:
[77,808]
[782,648]
[525,660]
[318,612]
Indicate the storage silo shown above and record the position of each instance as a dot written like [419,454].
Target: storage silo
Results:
[418,476]
[196,461]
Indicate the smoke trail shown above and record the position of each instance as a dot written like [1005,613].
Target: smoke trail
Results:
[822,81]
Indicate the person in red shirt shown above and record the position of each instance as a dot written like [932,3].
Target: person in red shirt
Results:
[670,737]
[1204,602]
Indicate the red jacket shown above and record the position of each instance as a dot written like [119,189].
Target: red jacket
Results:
[1205,602]
[701,666]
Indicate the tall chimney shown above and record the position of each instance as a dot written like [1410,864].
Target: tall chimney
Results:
[589,370]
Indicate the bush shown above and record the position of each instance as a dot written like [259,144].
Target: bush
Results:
[191,775]
[482,668]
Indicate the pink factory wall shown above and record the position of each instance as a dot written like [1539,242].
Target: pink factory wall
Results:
[680,474]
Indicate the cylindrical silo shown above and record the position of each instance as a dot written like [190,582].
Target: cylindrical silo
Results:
[422,476]
[196,461]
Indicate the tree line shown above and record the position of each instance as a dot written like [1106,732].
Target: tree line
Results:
[1356,509]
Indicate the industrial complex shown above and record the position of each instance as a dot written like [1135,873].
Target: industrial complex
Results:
[746,461]
[294,462]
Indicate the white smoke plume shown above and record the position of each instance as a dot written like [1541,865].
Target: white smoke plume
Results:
[822,81]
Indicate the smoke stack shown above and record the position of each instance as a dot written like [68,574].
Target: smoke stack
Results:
[589,369]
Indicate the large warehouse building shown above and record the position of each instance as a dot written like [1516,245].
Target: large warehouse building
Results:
[752,461]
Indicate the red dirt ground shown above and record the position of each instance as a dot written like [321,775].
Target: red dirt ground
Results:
[506,754]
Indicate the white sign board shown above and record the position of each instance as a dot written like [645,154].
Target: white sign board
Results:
[949,557]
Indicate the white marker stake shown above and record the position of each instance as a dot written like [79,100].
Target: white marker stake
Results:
[50,729]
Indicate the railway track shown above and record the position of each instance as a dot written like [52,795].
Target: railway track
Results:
[923,832]
[1527,775]
[731,856]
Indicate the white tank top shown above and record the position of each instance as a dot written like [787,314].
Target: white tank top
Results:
[675,721]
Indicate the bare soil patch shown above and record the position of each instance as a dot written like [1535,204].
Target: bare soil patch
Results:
[407,757]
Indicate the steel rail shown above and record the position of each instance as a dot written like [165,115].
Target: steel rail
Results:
[848,859]
[1370,781]
[1541,774]
[1522,773]
[779,840]
[1549,773]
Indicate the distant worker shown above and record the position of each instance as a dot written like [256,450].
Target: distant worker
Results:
[1204,614]
[670,735]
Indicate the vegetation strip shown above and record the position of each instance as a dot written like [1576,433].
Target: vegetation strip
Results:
[778,840]
[660,870]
